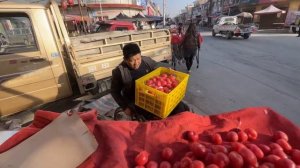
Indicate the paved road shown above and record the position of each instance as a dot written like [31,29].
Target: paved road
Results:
[261,71]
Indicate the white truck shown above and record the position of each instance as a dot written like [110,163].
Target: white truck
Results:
[231,26]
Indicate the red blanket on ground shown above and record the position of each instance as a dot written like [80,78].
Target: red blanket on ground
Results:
[120,141]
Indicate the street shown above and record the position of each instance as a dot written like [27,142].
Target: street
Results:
[261,71]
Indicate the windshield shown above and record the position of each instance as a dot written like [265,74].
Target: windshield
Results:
[16,34]
[103,27]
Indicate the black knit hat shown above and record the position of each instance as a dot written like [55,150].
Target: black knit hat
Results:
[130,50]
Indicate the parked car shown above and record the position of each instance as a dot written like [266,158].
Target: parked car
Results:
[230,26]
[112,25]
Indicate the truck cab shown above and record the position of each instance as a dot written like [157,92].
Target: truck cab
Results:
[230,26]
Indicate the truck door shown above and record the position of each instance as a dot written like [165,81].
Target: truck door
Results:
[29,71]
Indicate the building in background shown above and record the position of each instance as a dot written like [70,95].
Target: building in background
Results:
[109,9]
[205,12]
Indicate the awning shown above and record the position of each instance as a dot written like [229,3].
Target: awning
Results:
[123,17]
[269,10]
[245,15]
[140,17]
[76,18]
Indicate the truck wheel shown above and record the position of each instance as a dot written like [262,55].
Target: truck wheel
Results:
[246,36]
[213,33]
[228,35]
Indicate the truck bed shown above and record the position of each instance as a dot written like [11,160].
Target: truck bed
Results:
[98,54]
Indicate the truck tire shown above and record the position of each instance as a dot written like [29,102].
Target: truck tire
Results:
[229,35]
[213,33]
[246,36]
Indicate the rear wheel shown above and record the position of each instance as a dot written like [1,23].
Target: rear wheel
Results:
[213,33]
[246,36]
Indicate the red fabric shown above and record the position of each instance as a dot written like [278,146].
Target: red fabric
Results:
[177,38]
[120,141]
[200,38]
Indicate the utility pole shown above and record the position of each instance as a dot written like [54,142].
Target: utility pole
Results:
[100,5]
[82,20]
[164,13]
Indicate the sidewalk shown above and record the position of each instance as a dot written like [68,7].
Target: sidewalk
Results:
[263,31]
[274,31]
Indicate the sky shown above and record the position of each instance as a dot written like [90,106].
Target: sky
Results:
[173,7]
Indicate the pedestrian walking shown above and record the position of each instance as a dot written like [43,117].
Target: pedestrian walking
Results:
[298,27]
[191,46]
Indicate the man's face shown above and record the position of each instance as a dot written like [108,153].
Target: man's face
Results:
[134,62]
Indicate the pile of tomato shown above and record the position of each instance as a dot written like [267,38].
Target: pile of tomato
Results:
[164,82]
[235,148]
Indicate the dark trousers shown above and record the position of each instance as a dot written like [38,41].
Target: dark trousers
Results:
[189,55]
[181,107]
[298,31]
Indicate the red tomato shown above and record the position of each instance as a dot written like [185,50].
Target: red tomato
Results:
[285,163]
[142,158]
[295,156]
[284,144]
[212,166]
[280,135]
[165,164]
[174,84]
[266,165]
[191,136]
[164,75]
[232,136]
[152,164]
[177,164]
[252,134]
[190,155]
[275,146]
[209,158]
[248,156]
[216,139]
[266,149]
[172,77]
[167,153]
[197,164]
[198,149]
[158,83]
[139,167]
[256,150]
[163,83]
[243,137]
[279,153]
[271,158]
[186,162]
[219,148]
[235,160]
[236,146]
[166,90]
[221,159]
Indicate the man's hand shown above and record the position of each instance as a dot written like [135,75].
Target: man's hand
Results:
[127,111]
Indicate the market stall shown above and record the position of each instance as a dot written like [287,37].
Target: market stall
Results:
[120,141]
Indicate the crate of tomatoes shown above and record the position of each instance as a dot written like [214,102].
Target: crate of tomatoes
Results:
[160,91]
